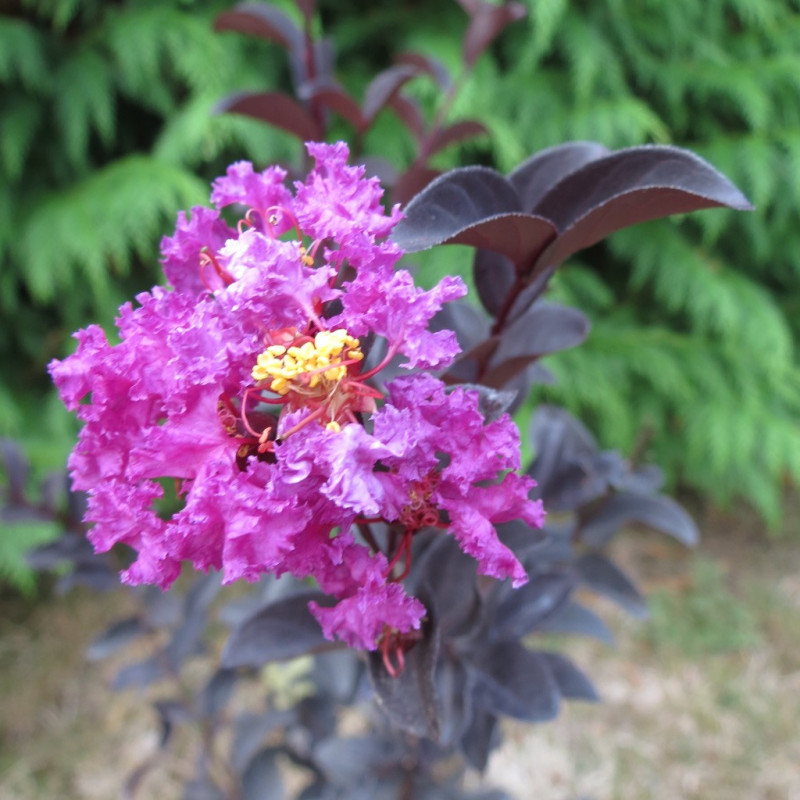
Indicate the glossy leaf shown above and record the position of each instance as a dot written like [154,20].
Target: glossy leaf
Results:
[249,732]
[453,202]
[495,276]
[413,181]
[277,109]
[115,638]
[16,469]
[577,619]
[544,328]
[571,682]
[202,788]
[654,510]
[333,96]
[453,134]
[429,65]
[409,699]
[517,683]
[384,86]
[454,685]
[524,609]
[409,112]
[469,324]
[345,761]
[261,779]
[474,206]
[479,739]
[534,177]
[139,674]
[262,20]
[605,578]
[487,22]
[336,674]
[448,582]
[628,187]
[214,697]
[276,632]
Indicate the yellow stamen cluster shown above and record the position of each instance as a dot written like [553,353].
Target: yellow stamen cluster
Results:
[309,366]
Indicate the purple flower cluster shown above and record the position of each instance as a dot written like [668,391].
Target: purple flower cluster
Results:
[235,425]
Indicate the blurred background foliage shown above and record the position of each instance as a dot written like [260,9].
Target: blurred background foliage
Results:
[107,129]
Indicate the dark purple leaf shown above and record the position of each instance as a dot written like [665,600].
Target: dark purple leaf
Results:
[487,22]
[382,169]
[409,699]
[93,572]
[495,276]
[564,452]
[317,716]
[474,206]
[645,479]
[454,692]
[188,638]
[261,779]
[511,680]
[249,732]
[346,761]
[408,110]
[412,182]
[170,714]
[265,21]
[655,510]
[572,683]
[115,638]
[333,96]
[337,673]
[534,177]
[275,108]
[68,548]
[202,788]
[607,579]
[54,489]
[447,578]
[479,739]
[453,202]
[452,134]
[469,324]
[217,692]
[576,619]
[16,468]
[628,187]
[544,328]
[162,609]
[76,505]
[525,608]
[276,632]
[12,515]
[519,537]
[139,674]
[432,66]
[492,403]
[384,86]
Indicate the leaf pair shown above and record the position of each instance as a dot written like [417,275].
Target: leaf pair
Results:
[556,203]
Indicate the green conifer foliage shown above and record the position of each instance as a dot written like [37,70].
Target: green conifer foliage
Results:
[695,323]
[107,120]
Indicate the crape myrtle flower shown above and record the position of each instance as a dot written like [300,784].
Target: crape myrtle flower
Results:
[235,425]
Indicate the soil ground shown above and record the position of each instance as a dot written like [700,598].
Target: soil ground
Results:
[701,702]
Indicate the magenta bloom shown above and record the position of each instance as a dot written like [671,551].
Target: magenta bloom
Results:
[236,425]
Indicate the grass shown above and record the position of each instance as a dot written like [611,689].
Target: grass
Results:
[700,703]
